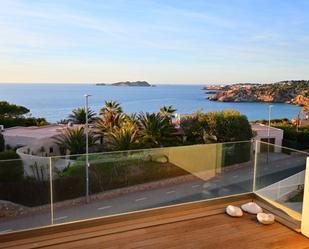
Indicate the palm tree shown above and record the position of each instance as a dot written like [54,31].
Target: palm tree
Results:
[167,111]
[73,140]
[124,138]
[155,129]
[111,113]
[78,116]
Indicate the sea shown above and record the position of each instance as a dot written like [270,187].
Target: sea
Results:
[56,101]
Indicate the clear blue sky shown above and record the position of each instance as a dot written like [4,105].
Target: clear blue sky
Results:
[170,41]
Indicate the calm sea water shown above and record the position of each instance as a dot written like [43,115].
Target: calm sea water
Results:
[56,101]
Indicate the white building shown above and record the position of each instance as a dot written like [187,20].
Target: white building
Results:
[35,145]
[275,134]
[38,140]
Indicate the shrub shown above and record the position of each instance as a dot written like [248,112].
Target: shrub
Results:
[28,192]
[22,121]
[293,138]
[219,126]
[11,167]
[111,173]
[193,130]
[234,153]
[2,143]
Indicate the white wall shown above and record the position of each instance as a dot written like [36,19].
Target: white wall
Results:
[42,164]
[262,132]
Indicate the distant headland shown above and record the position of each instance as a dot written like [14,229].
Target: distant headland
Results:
[293,92]
[127,83]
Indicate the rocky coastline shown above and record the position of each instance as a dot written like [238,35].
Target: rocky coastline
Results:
[292,92]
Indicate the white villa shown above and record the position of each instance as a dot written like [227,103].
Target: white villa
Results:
[38,140]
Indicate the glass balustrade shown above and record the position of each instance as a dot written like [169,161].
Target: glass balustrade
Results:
[40,191]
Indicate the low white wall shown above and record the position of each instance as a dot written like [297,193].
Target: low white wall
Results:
[37,166]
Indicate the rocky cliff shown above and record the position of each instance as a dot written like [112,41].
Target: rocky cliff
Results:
[293,92]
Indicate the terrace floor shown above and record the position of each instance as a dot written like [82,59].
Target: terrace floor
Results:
[198,225]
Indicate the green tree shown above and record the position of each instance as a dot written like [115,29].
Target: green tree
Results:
[13,115]
[111,113]
[78,116]
[219,126]
[8,110]
[226,126]
[73,140]
[193,130]
[167,111]
[156,130]
[123,138]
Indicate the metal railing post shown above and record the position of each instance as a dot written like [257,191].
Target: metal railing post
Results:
[51,192]
[305,209]
[255,166]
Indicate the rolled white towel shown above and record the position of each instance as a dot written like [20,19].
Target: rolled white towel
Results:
[265,219]
[251,208]
[233,211]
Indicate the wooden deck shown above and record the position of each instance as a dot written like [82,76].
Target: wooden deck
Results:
[199,225]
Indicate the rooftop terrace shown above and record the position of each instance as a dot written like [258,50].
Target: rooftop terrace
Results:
[160,198]
[196,225]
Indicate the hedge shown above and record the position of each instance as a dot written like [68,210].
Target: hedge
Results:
[11,167]
[22,121]
[2,143]
[102,176]
[234,153]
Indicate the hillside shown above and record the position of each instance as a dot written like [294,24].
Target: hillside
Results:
[294,92]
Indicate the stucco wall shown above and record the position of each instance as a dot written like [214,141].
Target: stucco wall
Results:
[38,166]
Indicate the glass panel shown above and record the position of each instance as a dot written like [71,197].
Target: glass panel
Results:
[24,193]
[127,181]
[280,174]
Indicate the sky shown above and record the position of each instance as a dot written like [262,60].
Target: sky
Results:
[160,41]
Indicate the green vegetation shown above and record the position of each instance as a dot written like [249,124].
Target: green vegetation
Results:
[297,197]
[78,116]
[293,92]
[13,115]
[11,167]
[73,140]
[156,130]
[120,131]
[293,137]
[118,170]
[167,111]
[2,143]
[220,126]
[8,110]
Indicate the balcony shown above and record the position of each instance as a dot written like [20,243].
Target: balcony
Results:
[169,197]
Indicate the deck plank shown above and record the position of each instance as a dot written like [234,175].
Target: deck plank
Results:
[200,227]
[216,231]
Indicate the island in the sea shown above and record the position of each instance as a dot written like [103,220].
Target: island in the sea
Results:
[126,83]
[293,92]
